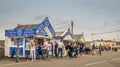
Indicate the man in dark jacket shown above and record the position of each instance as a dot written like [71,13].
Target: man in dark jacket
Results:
[56,49]
[100,49]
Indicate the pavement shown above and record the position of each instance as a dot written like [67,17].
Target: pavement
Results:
[108,58]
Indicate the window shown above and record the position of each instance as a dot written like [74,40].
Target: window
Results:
[14,41]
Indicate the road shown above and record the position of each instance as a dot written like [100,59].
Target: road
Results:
[108,59]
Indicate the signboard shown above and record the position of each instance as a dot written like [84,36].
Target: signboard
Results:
[20,32]
[29,32]
[46,23]
[11,32]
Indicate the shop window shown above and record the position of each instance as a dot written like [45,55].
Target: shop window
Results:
[12,41]
[15,42]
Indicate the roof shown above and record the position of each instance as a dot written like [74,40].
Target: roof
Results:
[62,35]
[104,40]
[78,37]
[26,26]
[59,33]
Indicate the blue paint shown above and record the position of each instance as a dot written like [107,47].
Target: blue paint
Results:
[46,23]
[27,33]
[20,32]
[12,32]
[14,49]
[18,41]
[37,53]
[42,33]
[32,31]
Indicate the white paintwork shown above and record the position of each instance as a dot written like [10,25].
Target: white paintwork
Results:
[8,44]
[48,32]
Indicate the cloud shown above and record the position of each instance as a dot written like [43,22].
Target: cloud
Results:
[118,22]
[39,17]
[105,24]
[111,24]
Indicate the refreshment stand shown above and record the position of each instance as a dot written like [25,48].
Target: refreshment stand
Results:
[42,30]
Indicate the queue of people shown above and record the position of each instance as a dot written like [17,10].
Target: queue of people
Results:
[47,50]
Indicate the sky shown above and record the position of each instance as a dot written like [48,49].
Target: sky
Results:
[89,16]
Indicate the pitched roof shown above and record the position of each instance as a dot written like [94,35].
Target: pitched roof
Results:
[78,37]
[59,33]
[26,26]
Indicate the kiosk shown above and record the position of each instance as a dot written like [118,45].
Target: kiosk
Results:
[23,32]
[66,36]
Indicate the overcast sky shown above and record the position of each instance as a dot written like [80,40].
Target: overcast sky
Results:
[99,15]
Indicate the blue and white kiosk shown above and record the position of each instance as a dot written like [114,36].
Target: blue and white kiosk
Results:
[42,30]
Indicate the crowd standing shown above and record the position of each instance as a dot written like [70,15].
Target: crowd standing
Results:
[47,49]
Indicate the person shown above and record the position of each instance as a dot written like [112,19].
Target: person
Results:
[109,47]
[60,48]
[52,48]
[100,49]
[40,50]
[27,50]
[13,50]
[49,50]
[93,46]
[70,50]
[75,50]
[32,50]
[81,49]
[44,49]
[56,49]
[87,49]
[67,48]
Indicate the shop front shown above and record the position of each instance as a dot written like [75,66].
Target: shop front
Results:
[24,32]
[67,38]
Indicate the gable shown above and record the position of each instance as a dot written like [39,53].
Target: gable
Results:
[68,37]
[42,33]
[49,34]
[79,37]
[45,25]
[59,33]
[67,33]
